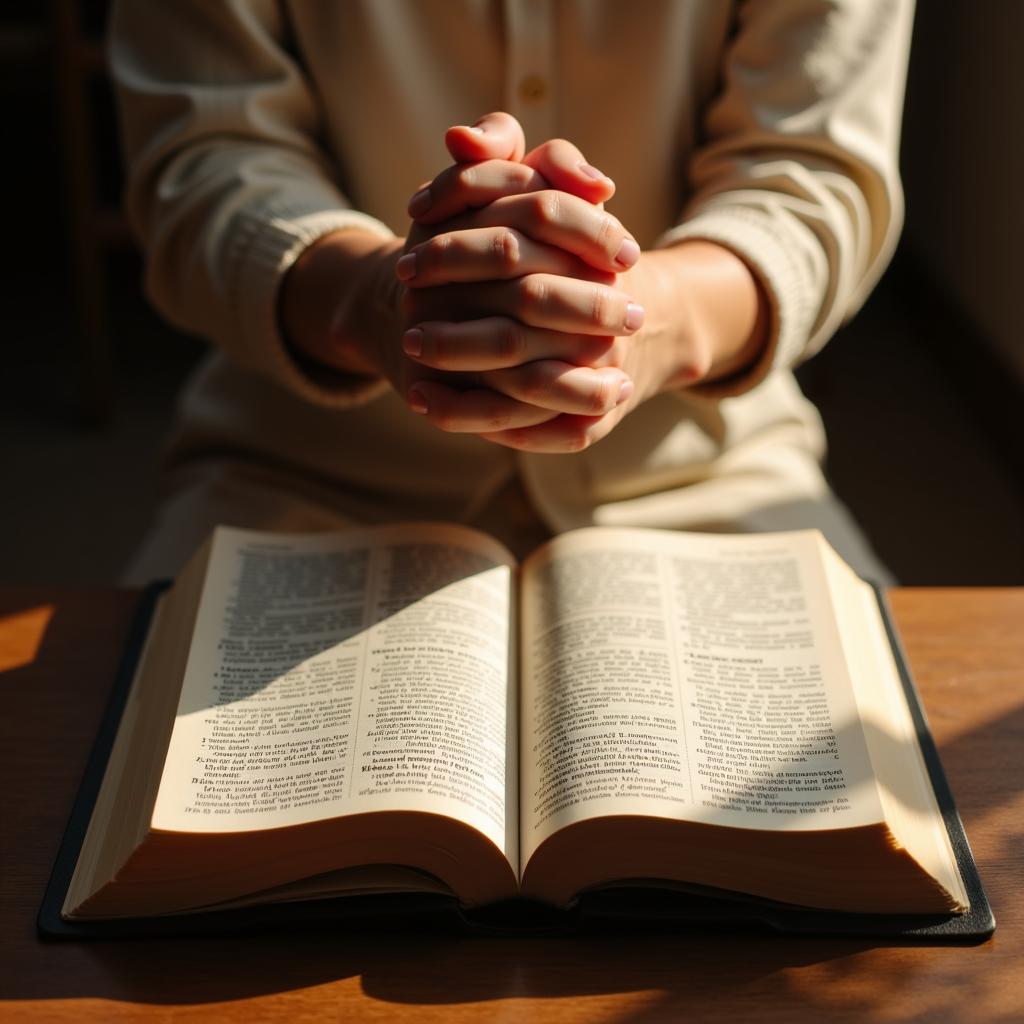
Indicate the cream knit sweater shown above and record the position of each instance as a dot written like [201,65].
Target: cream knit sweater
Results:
[253,127]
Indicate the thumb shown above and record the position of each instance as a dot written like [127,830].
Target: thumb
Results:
[496,136]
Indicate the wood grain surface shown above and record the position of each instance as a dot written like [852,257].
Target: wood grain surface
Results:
[58,651]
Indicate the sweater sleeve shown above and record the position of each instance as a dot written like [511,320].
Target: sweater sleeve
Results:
[227,184]
[797,171]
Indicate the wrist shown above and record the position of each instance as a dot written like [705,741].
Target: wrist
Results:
[715,314]
[337,298]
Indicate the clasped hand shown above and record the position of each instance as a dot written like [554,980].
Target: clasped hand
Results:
[514,277]
[517,308]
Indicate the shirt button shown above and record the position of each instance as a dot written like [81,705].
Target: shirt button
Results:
[533,89]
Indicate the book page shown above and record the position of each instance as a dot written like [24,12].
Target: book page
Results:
[906,792]
[687,676]
[336,674]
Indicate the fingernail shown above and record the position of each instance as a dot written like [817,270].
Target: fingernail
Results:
[405,268]
[417,401]
[476,130]
[624,392]
[420,203]
[634,316]
[412,342]
[628,254]
[592,172]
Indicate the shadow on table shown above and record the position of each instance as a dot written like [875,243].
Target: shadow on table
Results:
[648,977]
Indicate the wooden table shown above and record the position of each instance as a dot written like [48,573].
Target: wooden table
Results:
[57,652]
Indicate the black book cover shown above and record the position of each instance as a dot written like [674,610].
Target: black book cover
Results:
[633,907]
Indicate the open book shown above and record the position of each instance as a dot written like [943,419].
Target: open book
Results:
[404,709]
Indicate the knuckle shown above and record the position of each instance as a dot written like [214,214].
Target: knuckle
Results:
[519,175]
[511,341]
[601,399]
[547,207]
[534,293]
[507,252]
[600,307]
[467,177]
[576,439]
[439,245]
[607,230]
[431,254]
[443,419]
[497,420]
[534,386]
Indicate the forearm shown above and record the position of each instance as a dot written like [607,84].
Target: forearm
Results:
[227,195]
[797,170]
[340,299]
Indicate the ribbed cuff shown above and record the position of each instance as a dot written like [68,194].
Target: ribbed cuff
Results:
[794,296]
[267,241]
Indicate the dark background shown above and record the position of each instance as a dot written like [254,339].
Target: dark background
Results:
[922,392]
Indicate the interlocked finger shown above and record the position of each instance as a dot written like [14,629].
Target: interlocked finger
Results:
[565,168]
[463,187]
[474,411]
[561,220]
[494,343]
[550,384]
[538,300]
[560,435]
[482,254]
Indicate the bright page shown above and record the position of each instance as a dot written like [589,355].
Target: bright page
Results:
[690,676]
[334,674]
